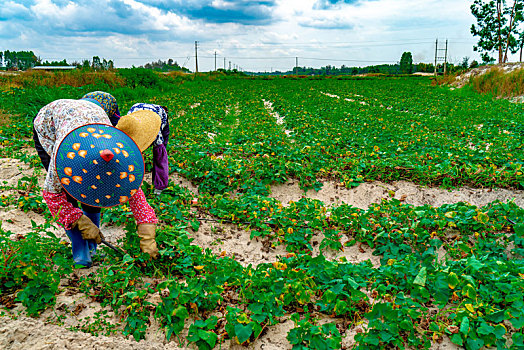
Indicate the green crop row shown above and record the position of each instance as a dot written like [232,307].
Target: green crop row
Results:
[453,270]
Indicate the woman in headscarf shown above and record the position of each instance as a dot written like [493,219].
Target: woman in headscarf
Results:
[95,150]
[107,102]
[160,157]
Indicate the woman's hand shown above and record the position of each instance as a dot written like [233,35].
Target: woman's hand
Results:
[88,229]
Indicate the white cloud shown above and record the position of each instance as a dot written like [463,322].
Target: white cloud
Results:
[49,11]
[135,32]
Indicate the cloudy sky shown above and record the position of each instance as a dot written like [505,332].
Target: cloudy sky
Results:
[265,35]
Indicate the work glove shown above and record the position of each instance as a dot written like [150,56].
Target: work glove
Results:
[88,229]
[147,234]
[157,192]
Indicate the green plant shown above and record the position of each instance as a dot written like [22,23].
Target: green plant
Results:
[308,335]
[201,333]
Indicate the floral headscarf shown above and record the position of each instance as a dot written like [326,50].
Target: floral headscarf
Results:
[107,102]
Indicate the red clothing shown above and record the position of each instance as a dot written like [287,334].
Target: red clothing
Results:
[67,214]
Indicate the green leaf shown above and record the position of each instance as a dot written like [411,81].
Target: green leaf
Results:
[208,336]
[195,225]
[474,344]
[434,327]
[293,336]
[421,277]
[243,332]
[453,280]
[483,218]
[442,292]
[464,325]
[499,331]
[30,272]
[496,317]
[518,323]
[318,343]
[519,230]
[352,283]
[456,339]
[243,318]
[180,312]
[406,324]
[485,329]
[469,291]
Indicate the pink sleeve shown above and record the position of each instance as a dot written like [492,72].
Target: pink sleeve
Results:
[58,204]
[142,211]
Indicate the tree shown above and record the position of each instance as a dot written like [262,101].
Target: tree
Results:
[496,27]
[96,63]
[465,62]
[406,63]
[520,44]
[21,60]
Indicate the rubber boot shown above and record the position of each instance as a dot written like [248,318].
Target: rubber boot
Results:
[95,217]
[80,248]
[83,250]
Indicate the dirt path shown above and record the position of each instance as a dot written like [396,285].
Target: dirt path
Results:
[27,333]
[373,192]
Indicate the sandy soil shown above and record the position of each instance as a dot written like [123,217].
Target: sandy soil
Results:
[373,192]
[463,79]
[74,309]
[28,333]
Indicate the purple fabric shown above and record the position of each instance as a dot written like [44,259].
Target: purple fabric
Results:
[165,132]
[160,167]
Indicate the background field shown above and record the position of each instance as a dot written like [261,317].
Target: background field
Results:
[321,213]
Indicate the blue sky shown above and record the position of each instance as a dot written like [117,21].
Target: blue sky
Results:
[254,35]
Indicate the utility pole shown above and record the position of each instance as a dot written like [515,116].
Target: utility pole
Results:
[196,56]
[296,65]
[224,63]
[441,58]
[446,57]
[215,61]
[436,50]
[229,65]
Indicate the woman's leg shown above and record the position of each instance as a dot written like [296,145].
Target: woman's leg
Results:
[80,248]
[92,213]
[44,157]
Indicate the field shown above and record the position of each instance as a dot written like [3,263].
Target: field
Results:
[364,213]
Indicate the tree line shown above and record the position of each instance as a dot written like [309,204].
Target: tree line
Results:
[23,60]
[404,66]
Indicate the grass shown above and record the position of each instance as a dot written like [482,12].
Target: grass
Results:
[75,78]
[5,118]
[495,81]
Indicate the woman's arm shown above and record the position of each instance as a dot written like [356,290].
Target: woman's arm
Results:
[142,211]
[58,205]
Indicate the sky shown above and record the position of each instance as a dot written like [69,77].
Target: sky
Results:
[265,35]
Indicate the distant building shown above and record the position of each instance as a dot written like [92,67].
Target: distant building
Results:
[54,67]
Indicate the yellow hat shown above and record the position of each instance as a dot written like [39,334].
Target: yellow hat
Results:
[142,126]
